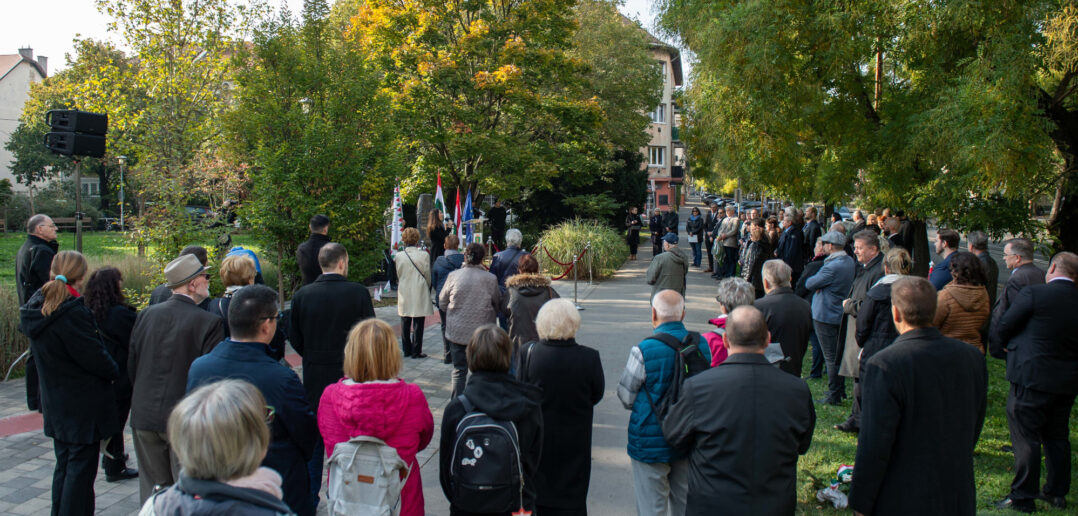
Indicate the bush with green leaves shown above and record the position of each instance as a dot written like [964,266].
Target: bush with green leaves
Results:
[565,241]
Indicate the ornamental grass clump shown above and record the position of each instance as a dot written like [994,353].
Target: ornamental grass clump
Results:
[566,241]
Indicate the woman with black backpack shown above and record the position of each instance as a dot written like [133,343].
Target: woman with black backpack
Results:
[492,434]
[238,271]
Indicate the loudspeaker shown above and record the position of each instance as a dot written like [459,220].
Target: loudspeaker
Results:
[75,144]
[77,121]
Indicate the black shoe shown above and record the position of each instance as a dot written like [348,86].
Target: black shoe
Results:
[124,474]
[446,359]
[1015,505]
[1055,501]
[829,401]
[847,427]
[420,355]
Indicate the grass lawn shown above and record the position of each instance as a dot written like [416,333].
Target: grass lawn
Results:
[994,468]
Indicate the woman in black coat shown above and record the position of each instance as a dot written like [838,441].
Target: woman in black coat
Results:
[655,225]
[104,296]
[571,377]
[436,233]
[632,231]
[76,371]
[756,253]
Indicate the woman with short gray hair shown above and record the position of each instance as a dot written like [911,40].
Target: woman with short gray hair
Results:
[220,437]
[571,376]
[732,293]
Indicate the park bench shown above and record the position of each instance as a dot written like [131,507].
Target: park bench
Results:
[69,223]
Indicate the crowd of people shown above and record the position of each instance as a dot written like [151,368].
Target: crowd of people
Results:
[220,424]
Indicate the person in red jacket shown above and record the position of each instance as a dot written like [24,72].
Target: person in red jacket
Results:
[371,400]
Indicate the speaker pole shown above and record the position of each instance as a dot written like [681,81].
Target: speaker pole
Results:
[78,205]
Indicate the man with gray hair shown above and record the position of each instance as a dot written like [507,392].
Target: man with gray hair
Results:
[977,243]
[1018,256]
[791,244]
[760,413]
[788,316]
[660,473]
[32,265]
[504,263]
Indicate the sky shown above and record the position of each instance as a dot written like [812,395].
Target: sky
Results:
[50,26]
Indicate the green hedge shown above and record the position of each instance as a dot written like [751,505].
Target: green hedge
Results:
[566,240]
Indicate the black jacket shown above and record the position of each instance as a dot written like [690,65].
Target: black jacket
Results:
[503,397]
[307,257]
[572,381]
[437,242]
[746,423]
[219,306]
[76,371]
[896,241]
[991,268]
[811,268]
[875,325]
[756,253]
[695,227]
[655,226]
[791,248]
[527,294]
[505,264]
[1040,334]
[1022,277]
[497,217]
[442,267]
[789,319]
[923,402]
[116,330]
[32,265]
[811,231]
[670,222]
[212,498]
[293,431]
[322,314]
[167,337]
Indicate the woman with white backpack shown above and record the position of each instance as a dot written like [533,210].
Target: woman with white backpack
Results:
[370,413]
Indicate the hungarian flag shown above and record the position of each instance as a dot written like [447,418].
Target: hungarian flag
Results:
[457,219]
[468,230]
[397,214]
[439,201]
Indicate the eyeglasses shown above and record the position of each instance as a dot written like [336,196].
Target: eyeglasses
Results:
[278,317]
[270,412]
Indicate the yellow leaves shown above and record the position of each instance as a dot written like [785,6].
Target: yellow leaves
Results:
[503,77]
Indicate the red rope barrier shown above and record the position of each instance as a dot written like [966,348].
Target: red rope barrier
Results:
[570,264]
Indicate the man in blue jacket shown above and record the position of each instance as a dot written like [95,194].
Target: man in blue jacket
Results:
[252,320]
[660,474]
[946,246]
[832,285]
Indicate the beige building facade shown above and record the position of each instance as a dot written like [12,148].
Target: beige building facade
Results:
[17,73]
[664,153]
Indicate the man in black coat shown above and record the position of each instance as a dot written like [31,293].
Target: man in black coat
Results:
[1018,257]
[670,220]
[869,271]
[32,265]
[746,422]
[711,223]
[252,318]
[1039,334]
[655,225]
[163,292]
[789,317]
[497,215]
[791,247]
[811,232]
[915,449]
[322,315]
[307,252]
[166,339]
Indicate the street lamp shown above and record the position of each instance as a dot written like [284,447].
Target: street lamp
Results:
[123,159]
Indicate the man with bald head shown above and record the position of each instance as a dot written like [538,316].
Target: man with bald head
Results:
[759,412]
[1039,335]
[660,472]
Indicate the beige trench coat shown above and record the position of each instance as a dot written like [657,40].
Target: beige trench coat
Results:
[413,283]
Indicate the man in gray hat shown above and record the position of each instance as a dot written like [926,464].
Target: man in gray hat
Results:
[668,270]
[832,285]
[166,338]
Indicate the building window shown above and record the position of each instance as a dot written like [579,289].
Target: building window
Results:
[91,188]
[656,156]
[664,199]
[662,68]
[658,116]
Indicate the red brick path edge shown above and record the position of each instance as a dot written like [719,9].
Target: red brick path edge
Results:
[32,422]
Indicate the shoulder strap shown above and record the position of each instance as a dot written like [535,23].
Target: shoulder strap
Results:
[420,271]
[526,360]
[468,407]
[669,340]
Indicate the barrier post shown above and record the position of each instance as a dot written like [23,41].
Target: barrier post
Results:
[591,261]
[575,274]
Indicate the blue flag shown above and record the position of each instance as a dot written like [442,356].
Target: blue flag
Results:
[468,231]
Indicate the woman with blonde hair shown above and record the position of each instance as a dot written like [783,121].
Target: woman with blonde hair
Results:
[413,293]
[76,372]
[371,400]
[220,436]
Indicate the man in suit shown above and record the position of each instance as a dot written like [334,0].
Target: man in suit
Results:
[1039,334]
[670,220]
[977,243]
[32,265]
[166,339]
[711,223]
[163,292]
[812,232]
[788,316]
[791,245]
[1018,257]
[890,228]
[915,449]
[307,252]
[946,246]
[322,315]
[252,321]
[761,413]
[866,247]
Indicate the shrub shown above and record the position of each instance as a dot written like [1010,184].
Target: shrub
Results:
[12,343]
[566,240]
[140,275]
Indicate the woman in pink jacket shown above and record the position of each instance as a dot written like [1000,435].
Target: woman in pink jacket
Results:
[371,400]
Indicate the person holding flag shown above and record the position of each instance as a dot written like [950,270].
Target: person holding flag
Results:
[436,231]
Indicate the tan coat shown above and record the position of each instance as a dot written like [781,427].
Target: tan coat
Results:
[413,283]
[961,310]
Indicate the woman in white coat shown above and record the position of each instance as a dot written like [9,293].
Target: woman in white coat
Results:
[413,293]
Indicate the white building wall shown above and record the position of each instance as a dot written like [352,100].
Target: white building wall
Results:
[14,91]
